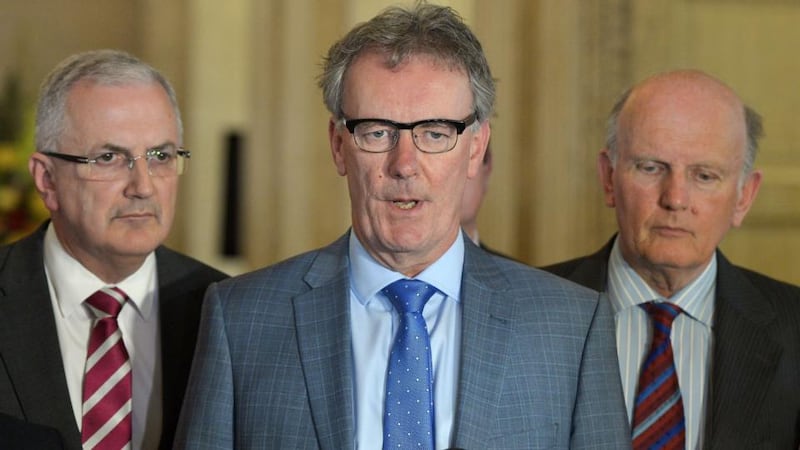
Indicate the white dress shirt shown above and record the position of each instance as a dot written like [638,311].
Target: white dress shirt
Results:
[70,284]
[691,336]
[373,324]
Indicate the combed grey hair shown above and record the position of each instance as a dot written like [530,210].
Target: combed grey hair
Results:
[103,67]
[399,33]
[752,120]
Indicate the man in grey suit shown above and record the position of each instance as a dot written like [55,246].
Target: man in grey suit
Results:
[108,139]
[296,355]
[678,169]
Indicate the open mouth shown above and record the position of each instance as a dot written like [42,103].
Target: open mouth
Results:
[405,204]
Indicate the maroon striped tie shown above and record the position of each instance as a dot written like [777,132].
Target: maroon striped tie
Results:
[107,380]
[658,421]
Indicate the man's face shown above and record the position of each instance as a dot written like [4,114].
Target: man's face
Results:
[119,221]
[405,203]
[676,183]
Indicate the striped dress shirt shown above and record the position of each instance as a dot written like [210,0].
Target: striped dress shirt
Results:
[691,336]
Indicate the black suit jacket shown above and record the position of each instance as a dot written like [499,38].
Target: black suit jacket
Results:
[17,434]
[32,382]
[755,375]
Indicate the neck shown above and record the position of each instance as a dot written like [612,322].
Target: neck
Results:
[667,281]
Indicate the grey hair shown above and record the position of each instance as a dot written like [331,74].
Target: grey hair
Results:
[752,120]
[399,33]
[104,67]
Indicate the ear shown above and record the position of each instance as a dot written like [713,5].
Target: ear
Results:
[747,196]
[42,171]
[478,143]
[337,142]
[605,173]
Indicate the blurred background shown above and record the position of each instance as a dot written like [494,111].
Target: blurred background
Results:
[262,186]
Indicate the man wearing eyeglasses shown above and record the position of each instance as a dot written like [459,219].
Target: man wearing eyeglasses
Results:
[403,333]
[99,320]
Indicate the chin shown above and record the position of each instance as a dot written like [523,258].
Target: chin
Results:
[139,243]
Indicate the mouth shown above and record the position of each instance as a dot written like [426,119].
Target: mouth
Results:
[141,215]
[672,231]
[405,204]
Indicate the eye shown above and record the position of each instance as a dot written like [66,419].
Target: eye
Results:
[377,134]
[159,156]
[108,159]
[706,176]
[435,131]
[649,167]
[374,131]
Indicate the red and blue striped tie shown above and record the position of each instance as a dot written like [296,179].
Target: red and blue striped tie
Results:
[658,420]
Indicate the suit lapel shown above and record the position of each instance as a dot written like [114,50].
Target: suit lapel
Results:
[485,336]
[322,322]
[29,347]
[744,357]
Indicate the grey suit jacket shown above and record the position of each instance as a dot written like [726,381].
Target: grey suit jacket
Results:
[755,373]
[32,381]
[273,367]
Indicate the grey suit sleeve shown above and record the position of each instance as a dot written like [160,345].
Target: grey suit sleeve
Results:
[599,419]
[206,420]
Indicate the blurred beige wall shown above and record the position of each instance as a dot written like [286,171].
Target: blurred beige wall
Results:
[251,66]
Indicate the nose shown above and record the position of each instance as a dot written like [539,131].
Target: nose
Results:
[403,157]
[141,182]
[675,193]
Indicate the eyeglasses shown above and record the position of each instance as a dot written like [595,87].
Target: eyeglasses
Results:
[430,136]
[107,165]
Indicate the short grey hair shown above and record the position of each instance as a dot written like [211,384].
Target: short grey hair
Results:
[752,120]
[104,67]
[399,33]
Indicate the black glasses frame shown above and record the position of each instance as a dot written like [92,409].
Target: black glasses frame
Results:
[459,125]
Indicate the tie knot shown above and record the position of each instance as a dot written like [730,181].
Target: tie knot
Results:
[409,296]
[662,312]
[106,302]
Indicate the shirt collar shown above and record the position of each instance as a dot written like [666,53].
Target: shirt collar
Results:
[368,276]
[627,289]
[72,283]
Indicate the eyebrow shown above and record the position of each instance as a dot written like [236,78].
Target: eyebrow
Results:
[120,149]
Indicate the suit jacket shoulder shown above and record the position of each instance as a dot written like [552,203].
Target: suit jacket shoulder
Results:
[590,271]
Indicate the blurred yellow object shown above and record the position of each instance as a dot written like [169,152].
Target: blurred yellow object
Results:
[8,156]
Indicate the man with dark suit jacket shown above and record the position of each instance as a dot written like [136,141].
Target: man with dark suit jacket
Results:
[108,139]
[678,169]
[297,355]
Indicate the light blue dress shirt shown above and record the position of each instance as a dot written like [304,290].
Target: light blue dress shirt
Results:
[373,324]
[691,336]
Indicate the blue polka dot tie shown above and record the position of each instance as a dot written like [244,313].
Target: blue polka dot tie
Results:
[408,415]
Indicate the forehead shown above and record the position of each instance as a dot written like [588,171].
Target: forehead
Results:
[120,114]
[683,128]
[418,88]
